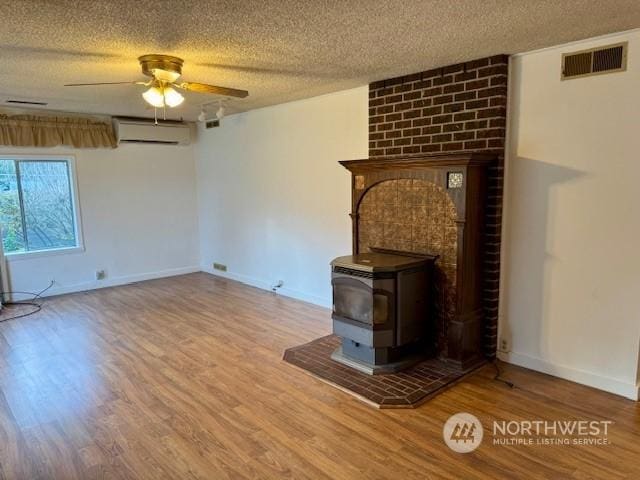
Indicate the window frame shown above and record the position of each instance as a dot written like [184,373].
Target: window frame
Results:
[77,217]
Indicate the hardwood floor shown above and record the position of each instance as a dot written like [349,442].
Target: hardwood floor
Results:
[182,378]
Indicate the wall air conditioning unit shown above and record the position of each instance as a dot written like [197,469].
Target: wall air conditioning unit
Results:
[142,130]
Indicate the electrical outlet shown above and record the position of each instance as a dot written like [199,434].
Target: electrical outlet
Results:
[101,274]
[504,344]
[220,266]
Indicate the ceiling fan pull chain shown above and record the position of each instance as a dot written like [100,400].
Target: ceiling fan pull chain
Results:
[164,100]
[155,115]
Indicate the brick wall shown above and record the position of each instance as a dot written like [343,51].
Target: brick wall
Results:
[455,108]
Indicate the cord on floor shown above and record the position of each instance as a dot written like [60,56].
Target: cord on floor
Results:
[498,377]
[31,302]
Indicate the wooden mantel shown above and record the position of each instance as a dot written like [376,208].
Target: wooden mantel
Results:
[419,161]
[462,177]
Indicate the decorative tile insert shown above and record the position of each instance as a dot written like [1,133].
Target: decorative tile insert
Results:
[407,389]
[455,179]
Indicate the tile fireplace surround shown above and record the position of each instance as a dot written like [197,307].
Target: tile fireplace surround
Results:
[431,204]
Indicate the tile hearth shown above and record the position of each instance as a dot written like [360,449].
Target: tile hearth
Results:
[407,389]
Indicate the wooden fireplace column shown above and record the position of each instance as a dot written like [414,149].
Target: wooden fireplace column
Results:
[464,179]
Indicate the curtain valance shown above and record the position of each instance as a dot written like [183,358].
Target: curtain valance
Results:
[50,131]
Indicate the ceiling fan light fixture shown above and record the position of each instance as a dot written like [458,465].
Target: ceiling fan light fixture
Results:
[172,98]
[165,75]
[162,96]
[154,97]
[164,71]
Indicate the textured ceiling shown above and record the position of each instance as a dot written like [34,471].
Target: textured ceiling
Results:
[278,50]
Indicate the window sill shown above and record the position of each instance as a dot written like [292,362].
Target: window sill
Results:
[13,257]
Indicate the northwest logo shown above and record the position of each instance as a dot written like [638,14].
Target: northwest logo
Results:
[462,432]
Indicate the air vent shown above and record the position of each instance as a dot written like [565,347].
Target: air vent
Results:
[352,272]
[212,123]
[596,61]
[151,142]
[25,102]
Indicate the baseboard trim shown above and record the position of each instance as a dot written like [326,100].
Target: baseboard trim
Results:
[264,285]
[583,377]
[116,281]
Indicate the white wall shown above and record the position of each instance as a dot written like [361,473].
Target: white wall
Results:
[139,219]
[273,200]
[571,299]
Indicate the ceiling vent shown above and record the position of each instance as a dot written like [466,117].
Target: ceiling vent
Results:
[25,102]
[595,61]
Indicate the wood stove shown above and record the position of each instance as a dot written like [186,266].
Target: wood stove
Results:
[381,310]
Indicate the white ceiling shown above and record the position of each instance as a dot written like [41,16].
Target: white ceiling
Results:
[278,50]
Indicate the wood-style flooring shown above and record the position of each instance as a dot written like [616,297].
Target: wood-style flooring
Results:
[183,378]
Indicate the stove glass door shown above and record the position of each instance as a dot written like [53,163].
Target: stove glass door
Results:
[355,300]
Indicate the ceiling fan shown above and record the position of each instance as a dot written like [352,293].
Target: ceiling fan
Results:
[165,71]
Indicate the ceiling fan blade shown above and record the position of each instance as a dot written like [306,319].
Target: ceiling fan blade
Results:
[103,83]
[256,70]
[204,88]
[59,52]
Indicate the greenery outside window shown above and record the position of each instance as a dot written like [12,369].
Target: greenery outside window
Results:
[38,205]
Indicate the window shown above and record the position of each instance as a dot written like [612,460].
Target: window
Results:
[38,210]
